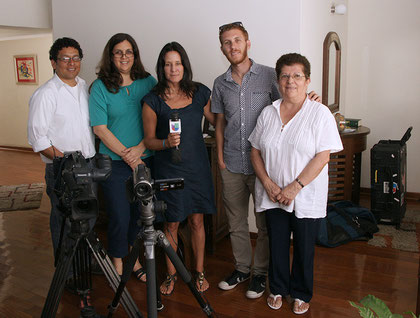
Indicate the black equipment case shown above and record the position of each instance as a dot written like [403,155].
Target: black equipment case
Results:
[388,175]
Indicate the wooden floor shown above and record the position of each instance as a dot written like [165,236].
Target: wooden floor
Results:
[344,273]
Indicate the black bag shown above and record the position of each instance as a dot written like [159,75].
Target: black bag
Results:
[345,222]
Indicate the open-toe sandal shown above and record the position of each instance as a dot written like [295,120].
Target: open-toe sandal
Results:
[199,279]
[300,307]
[167,284]
[140,274]
[274,304]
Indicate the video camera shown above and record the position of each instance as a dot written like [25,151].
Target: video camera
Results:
[141,186]
[74,183]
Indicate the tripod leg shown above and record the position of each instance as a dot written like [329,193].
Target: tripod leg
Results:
[113,278]
[151,280]
[59,279]
[183,272]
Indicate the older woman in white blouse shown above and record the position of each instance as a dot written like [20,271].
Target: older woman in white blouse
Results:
[291,146]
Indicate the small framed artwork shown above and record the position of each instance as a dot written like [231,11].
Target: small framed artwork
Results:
[26,69]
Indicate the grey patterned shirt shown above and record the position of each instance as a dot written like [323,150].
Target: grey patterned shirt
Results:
[241,105]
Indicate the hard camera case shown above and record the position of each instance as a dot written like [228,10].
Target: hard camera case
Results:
[389,179]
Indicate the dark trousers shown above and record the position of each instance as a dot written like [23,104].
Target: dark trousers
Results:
[297,282]
[123,215]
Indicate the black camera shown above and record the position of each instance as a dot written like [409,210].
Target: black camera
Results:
[141,186]
[74,183]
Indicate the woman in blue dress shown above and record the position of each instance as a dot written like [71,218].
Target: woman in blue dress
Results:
[175,92]
[116,117]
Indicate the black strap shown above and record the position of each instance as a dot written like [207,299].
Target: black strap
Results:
[349,220]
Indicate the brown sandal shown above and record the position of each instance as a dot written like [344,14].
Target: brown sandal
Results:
[167,284]
[200,277]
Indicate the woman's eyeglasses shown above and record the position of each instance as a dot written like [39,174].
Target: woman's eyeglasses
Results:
[296,77]
[120,54]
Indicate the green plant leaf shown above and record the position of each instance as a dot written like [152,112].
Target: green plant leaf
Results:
[373,307]
[378,306]
[363,311]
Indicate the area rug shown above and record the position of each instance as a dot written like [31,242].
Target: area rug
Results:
[21,197]
[404,238]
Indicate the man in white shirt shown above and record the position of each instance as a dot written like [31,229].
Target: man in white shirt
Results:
[59,119]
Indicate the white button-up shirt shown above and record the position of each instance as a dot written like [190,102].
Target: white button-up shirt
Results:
[286,153]
[59,117]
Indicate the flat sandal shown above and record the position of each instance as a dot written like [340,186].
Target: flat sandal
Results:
[167,283]
[274,298]
[200,277]
[300,307]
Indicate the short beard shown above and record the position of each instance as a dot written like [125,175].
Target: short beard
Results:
[237,62]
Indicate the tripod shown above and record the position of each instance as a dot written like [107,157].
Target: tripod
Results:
[79,235]
[150,237]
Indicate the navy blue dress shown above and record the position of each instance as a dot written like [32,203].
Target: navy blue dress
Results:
[198,193]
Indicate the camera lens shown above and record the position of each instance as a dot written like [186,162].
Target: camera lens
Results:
[143,189]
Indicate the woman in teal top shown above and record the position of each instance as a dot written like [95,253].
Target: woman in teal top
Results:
[116,117]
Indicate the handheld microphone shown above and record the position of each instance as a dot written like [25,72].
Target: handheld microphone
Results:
[175,127]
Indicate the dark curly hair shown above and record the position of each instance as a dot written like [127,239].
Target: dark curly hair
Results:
[293,58]
[109,74]
[187,85]
[61,43]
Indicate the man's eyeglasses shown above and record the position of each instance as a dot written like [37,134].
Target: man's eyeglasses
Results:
[120,54]
[224,26]
[67,59]
[296,77]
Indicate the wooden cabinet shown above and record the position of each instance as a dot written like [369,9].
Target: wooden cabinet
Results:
[216,225]
[345,167]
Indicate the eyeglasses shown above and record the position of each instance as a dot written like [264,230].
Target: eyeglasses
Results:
[224,26]
[296,77]
[67,59]
[120,54]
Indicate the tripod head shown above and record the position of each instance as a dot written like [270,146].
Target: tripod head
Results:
[74,184]
[141,187]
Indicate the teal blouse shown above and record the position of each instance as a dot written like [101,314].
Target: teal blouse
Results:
[120,112]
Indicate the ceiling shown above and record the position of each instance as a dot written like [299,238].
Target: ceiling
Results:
[12,33]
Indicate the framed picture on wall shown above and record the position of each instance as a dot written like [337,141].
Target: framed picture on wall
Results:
[26,69]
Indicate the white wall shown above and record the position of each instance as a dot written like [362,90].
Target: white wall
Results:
[316,21]
[14,98]
[383,75]
[17,19]
[26,13]
[193,23]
